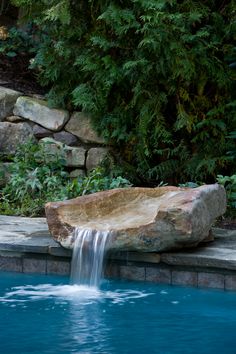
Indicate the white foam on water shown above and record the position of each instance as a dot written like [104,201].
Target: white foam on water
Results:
[77,293]
[6,300]
[46,291]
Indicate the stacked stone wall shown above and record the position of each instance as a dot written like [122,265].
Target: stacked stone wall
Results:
[24,118]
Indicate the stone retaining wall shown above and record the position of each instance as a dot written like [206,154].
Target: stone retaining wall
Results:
[23,118]
[34,263]
[172,275]
[127,270]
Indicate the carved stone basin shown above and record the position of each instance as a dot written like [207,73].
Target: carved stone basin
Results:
[140,219]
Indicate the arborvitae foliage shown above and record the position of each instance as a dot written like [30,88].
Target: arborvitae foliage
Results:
[155,75]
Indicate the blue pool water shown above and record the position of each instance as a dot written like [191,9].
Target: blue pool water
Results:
[42,314]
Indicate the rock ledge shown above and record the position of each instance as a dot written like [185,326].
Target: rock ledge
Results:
[141,219]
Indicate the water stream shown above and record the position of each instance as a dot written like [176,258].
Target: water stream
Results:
[88,256]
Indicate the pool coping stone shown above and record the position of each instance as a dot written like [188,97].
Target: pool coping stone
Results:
[27,246]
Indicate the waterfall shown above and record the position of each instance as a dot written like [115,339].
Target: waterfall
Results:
[88,255]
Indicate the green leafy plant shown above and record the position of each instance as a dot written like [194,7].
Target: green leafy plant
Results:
[23,42]
[229,182]
[189,185]
[3,6]
[232,152]
[37,177]
[96,181]
[155,75]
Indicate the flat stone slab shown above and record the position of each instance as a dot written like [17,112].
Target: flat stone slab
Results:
[18,234]
[39,112]
[223,239]
[218,254]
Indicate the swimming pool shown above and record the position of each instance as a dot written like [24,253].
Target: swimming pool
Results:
[42,314]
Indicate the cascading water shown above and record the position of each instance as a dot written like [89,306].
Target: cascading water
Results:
[88,256]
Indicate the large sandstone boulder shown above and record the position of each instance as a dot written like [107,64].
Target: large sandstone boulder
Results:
[7,100]
[38,111]
[141,219]
[80,126]
[13,135]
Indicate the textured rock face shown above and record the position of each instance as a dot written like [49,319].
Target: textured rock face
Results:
[141,219]
[80,125]
[72,135]
[95,157]
[7,100]
[65,138]
[40,132]
[38,112]
[13,135]
[74,156]
[77,173]
[4,173]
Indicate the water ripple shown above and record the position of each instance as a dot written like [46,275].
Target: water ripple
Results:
[79,293]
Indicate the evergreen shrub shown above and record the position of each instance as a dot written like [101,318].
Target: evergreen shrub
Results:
[158,77]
